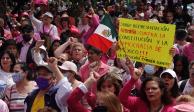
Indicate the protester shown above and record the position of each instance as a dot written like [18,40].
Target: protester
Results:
[5,32]
[125,13]
[182,19]
[28,44]
[187,49]
[181,67]
[83,24]
[47,31]
[186,86]
[53,89]
[55,44]
[106,101]
[92,22]
[65,47]
[171,82]
[69,69]
[7,64]
[24,84]
[11,46]
[180,39]
[169,17]
[94,63]
[154,96]
[185,103]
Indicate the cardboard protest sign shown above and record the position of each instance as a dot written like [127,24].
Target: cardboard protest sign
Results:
[146,42]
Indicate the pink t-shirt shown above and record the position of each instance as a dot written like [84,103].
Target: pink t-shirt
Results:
[136,104]
[84,73]
[188,51]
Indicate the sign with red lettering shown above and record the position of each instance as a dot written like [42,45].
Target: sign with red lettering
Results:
[146,42]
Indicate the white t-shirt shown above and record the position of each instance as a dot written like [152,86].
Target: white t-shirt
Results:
[188,89]
[7,77]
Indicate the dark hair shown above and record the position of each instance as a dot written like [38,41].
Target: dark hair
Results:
[110,77]
[174,92]
[181,34]
[27,29]
[11,57]
[168,11]
[165,98]
[50,51]
[30,73]
[10,42]
[185,71]
[191,64]
[27,20]
[96,50]
[175,89]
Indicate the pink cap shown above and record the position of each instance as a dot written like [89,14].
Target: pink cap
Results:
[24,14]
[185,107]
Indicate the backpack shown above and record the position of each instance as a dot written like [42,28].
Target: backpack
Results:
[182,86]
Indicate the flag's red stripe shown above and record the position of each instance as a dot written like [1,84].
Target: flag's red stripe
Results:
[99,42]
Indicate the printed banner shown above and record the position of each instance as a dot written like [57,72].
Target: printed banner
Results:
[146,42]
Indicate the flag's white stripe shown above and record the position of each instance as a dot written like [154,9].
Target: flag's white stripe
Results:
[102,28]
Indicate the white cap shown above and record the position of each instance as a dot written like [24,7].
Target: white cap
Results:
[64,16]
[49,14]
[170,71]
[68,65]
[149,2]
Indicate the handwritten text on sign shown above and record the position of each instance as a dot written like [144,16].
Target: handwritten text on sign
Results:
[146,42]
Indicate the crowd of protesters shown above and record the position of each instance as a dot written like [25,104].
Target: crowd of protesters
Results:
[46,64]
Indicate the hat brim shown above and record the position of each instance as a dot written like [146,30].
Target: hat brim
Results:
[166,73]
[66,69]
[63,68]
[47,16]
[44,67]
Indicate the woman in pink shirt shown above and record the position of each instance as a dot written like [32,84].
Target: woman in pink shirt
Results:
[106,101]
[153,98]
[188,49]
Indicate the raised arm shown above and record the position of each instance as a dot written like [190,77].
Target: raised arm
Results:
[38,59]
[63,47]
[35,21]
[124,96]
[79,92]
[52,63]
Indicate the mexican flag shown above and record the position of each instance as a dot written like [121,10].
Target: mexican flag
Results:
[104,35]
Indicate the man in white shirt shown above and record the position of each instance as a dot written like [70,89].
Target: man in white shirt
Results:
[187,86]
